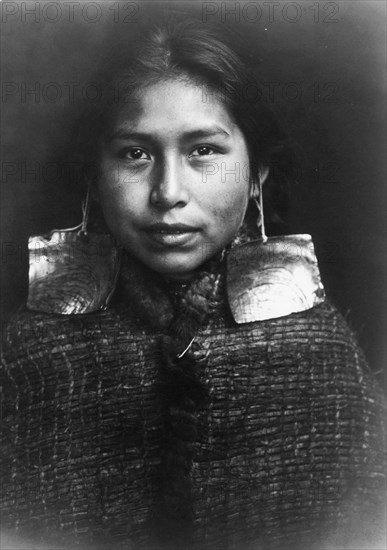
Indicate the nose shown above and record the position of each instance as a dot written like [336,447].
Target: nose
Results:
[169,189]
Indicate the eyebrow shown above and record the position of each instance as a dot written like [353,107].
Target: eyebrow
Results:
[200,133]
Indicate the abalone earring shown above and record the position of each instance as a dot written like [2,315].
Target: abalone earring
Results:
[72,271]
[272,276]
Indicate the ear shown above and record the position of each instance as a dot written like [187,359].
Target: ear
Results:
[256,185]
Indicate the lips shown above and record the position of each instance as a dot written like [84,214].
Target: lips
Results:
[171,235]
[170,228]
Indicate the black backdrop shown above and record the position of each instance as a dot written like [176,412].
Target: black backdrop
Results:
[322,65]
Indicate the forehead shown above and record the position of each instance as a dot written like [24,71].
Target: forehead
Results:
[173,105]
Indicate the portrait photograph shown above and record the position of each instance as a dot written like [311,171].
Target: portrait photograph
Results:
[193,275]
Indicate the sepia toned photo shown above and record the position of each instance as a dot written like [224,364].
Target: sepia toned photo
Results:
[193,275]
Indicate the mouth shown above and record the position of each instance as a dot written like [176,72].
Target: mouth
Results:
[170,228]
[171,235]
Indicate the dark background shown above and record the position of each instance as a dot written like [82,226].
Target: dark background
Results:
[323,67]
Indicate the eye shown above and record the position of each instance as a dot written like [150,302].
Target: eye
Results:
[202,150]
[134,153]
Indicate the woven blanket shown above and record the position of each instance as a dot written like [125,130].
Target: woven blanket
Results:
[289,452]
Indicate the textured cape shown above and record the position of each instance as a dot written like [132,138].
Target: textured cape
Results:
[289,452]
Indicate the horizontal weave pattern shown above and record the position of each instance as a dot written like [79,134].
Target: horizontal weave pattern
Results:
[289,446]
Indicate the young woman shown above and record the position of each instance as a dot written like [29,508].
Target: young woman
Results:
[157,404]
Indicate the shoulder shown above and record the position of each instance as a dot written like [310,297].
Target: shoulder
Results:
[274,288]
[313,349]
[321,327]
[275,295]
[31,334]
[27,326]
[50,353]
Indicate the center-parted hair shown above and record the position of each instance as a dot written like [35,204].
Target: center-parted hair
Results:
[207,55]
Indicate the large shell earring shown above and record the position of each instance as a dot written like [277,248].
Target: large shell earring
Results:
[71,270]
[272,276]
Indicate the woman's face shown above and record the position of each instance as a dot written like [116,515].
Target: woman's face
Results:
[174,182]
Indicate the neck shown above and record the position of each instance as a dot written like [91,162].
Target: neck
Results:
[182,277]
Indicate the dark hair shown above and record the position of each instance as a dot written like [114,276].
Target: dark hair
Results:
[204,54]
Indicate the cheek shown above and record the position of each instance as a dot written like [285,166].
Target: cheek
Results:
[228,192]
[118,197]
[233,216]
[226,216]
[111,200]
[231,207]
